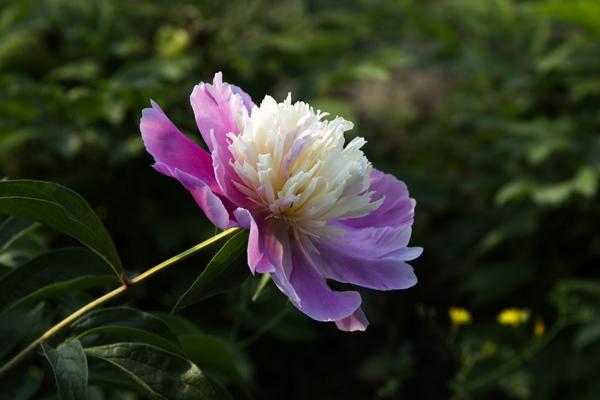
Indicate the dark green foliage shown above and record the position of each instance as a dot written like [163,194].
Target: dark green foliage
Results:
[70,369]
[158,373]
[62,209]
[154,363]
[11,229]
[126,322]
[226,270]
[52,274]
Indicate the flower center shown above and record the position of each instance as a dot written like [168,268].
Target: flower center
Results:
[295,166]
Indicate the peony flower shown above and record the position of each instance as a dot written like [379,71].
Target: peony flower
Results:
[315,207]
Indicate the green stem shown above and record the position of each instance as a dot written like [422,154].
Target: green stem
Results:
[111,295]
[265,328]
[264,279]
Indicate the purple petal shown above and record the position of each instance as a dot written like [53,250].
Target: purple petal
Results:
[379,242]
[373,253]
[268,251]
[362,265]
[356,322]
[170,147]
[246,99]
[207,200]
[317,300]
[216,107]
[397,208]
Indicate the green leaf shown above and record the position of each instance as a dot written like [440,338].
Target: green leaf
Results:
[586,181]
[588,334]
[178,324]
[51,274]
[215,356]
[104,375]
[62,209]
[125,321]
[226,270]
[21,326]
[12,229]
[513,190]
[69,365]
[158,373]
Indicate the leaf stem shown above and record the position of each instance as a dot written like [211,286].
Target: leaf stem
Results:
[111,295]
[266,327]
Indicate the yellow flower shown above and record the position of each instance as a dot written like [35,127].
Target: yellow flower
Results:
[539,328]
[459,316]
[513,317]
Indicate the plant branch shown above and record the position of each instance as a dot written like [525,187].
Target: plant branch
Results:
[111,295]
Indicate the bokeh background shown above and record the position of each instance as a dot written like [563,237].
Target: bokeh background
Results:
[489,110]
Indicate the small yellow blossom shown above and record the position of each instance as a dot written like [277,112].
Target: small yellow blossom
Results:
[513,317]
[539,328]
[459,316]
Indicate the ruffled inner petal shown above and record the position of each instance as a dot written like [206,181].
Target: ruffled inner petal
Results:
[373,251]
[397,208]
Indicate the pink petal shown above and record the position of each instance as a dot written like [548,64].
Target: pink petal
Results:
[268,251]
[216,107]
[207,200]
[262,257]
[356,322]
[170,147]
[226,177]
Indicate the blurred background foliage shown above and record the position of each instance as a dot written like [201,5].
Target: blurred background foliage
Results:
[489,110]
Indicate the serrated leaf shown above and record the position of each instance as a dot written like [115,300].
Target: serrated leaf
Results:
[226,270]
[51,274]
[11,229]
[60,208]
[158,373]
[125,321]
[70,369]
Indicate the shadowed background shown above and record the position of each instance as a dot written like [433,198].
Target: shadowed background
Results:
[489,110]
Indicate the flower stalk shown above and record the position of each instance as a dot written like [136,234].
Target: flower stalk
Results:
[111,295]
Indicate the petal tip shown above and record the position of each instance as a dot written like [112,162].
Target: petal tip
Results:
[357,322]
